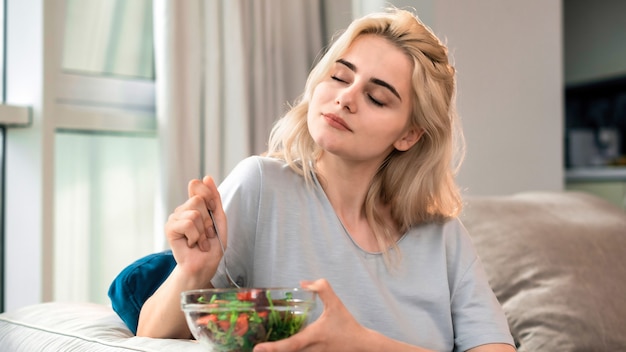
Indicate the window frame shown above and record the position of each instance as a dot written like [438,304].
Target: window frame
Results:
[104,104]
[51,101]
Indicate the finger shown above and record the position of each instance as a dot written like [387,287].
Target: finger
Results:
[321,286]
[214,202]
[195,206]
[306,283]
[207,191]
[204,244]
[215,205]
[202,222]
[323,289]
[198,188]
[183,228]
[296,342]
[193,210]
[198,203]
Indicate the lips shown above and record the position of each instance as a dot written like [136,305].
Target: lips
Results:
[336,122]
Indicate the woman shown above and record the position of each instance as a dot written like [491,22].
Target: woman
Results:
[356,197]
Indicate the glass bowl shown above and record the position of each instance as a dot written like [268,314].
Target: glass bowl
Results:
[236,319]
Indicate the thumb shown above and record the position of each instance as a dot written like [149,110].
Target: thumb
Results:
[323,289]
[208,181]
[216,202]
[296,342]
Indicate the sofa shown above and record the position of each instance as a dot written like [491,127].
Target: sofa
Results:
[556,261]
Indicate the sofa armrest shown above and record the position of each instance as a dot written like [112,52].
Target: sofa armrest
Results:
[77,327]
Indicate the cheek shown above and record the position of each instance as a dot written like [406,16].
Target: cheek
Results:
[321,94]
[315,103]
[311,115]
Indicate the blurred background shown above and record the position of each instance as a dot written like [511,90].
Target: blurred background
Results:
[111,106]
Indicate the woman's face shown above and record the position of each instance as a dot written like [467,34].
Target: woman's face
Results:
[360,111]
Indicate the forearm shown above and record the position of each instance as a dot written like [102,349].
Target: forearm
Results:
[161,315]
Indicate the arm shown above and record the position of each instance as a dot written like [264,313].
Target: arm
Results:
[493,347]
[161,315]
[189,231]
[336,326]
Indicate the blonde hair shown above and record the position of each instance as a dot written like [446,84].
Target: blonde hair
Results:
[418,184]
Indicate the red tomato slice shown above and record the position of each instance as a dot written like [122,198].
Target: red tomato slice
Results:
[204,320]
[244,296]
[241,326]
[224,325]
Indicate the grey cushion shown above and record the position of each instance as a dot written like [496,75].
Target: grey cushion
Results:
[557,263]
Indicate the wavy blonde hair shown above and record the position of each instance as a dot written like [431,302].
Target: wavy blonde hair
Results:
[418,184]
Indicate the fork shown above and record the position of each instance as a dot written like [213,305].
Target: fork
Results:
[219,239]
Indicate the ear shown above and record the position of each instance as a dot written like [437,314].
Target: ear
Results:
[408,139]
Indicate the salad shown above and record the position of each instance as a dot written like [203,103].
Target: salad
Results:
[237,321]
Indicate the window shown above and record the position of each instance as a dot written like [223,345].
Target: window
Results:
[14,116]
[106,80]
[89,147]
[1,218]
[105,146]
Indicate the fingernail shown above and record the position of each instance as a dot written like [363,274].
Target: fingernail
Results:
[203,245]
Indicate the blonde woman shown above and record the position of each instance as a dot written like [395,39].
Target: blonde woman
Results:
[354,199]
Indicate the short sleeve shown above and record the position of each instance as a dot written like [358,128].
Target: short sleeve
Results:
[240,194]
[477,315]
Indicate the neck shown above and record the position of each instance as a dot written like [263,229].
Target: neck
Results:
[346,184]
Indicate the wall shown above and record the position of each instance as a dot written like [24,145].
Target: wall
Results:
[509,61]
[508,56]
[595,40]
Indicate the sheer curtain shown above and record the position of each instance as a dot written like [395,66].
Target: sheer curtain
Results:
[104,196]
[225,70]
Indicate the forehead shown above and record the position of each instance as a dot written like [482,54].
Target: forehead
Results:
[376,57]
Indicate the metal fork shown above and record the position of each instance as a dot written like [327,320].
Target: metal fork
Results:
[219,239]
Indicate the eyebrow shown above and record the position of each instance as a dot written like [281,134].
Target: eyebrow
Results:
[377,81]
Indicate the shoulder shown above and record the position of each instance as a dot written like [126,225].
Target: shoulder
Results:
[447,243]
[258,175]
[251,170]
[257,165]
[450,234]
[460,251]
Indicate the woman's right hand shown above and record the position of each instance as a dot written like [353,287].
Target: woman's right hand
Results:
[197,251]
[190,233]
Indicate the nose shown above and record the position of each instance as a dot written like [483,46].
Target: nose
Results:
[346,99]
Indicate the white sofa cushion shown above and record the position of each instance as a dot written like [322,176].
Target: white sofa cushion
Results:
[77,327]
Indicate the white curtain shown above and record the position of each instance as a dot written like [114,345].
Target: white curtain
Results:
[225,70]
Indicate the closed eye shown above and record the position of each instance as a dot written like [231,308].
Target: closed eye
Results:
[376,102]
[338,79]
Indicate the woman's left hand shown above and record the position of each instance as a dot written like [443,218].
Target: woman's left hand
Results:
[335,330]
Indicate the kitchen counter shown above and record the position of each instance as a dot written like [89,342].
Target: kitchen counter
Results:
[614,174]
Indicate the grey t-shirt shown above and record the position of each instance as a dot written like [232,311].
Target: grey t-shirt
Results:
[282,231]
